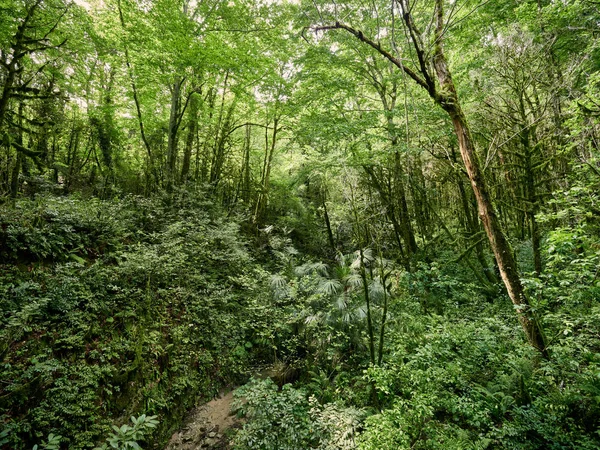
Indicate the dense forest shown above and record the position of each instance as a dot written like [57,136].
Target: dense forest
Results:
[378,222]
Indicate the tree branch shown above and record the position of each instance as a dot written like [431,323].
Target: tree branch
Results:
[375,45]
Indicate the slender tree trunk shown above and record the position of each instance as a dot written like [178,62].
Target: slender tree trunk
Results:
[172,133]
[219,152]
[328,225]
[263,197]
[246,189]
[191,135]
[473,228]
[363,275]
[13,66]
[532,202]
[53,160]
[14,181]
[136,99]
[390,208]
[395,199]
[215,166]
[384,313]
[202,169]
[498,242]
[400,195]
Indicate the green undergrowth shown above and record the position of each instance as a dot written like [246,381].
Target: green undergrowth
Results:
[133,307]
[456,371]
[115,308]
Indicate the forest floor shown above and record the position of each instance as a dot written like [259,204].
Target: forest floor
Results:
[207,426]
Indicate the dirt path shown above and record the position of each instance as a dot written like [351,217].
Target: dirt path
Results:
[206,426]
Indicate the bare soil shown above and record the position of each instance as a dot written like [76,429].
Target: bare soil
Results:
[206,426]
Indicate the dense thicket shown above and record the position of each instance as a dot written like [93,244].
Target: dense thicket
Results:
[394,204]
[112,308]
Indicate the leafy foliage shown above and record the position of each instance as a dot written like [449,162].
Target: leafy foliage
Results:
[126,436]
[135,327]
[288,420]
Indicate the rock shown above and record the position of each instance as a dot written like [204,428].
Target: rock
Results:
[212,434]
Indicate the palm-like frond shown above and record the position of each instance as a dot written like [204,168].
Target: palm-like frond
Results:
[329,287]
[341,271]
[302,270]
[376,290]
[289,250]
[321,268]
[342,303]
[356,263]
[353,280]
[361,312]
[314,318]
[279,286]
[367,258]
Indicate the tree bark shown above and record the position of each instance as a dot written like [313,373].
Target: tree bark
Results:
[191,135]
[263,197]
[500,246]
[328,225]
[172,134]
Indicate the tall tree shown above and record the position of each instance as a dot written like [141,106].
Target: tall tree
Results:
[27,52]
[432,73]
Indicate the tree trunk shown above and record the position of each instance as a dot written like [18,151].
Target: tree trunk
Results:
[136,100]
[365,285]
[14,181]
[500,246]
[328,225]
[191,135]
[407,231]
[172,134]
[498,242]
[384,313]
[246,190]
[474,230]
[390,209]
[263,197]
